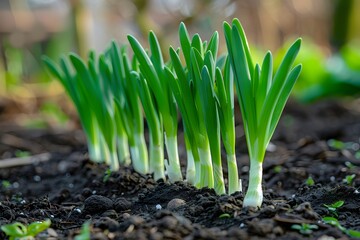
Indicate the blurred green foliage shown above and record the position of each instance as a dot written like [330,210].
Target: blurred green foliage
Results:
[321,77]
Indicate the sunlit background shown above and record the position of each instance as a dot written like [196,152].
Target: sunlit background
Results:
[32,28]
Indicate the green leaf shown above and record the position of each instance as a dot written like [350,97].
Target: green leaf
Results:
[353,233]
[213,45]
[185,43]
[15,229]
[37,227]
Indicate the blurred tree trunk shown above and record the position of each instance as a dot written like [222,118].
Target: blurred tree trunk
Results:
[341,22]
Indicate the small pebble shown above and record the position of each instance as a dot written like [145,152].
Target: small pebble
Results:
[175,203]
[96,204]
[168,222]
[121,204]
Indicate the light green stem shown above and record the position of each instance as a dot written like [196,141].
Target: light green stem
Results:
[254,194]
[190,168]
[123,150]
[233,175]
[113,156]
[139,154]
[157,160]
[206,172]
[173,165]
[104,150]
[219,184]
[94,151]
[197,174]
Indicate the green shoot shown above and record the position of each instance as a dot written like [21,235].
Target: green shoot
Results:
[225,94]
[107,175]
[85,232]
[334,222]
[305,228]
[87,117]
[310,181]
[336,144]
[262,98]
[5,184]
[277,169]
[334,206]
[152,69]
[20,153]
[20,231]
[224,215]
[349,179]
[155,127]
[194,91]
[116,72]
[82,84]
[350,165]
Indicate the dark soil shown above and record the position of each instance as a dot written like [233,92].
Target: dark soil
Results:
[70,190]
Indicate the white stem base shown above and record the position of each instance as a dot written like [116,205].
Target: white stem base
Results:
[123,150]
[233,175]
[173,165]
[254,194]
[219,184]
[206,172]
[139,155]
[157,161]
[190,168]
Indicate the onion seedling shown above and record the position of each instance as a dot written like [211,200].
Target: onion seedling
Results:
[116,70]
[18,230]
[305,228]
[194,90]
[152,69]
[334,222]
[93,91]
[84,89]
[86,115]
[262,98]
[155,128]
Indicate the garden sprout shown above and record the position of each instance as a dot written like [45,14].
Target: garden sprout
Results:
[305,228]
[225,94]
[334,222]
[194,91]
[85,232]
[349,179]
[116,70]
[87,117]
[334,206]
[18,230]
[262,98]
[155,128]
[152,69]
[93,89]
[310,181]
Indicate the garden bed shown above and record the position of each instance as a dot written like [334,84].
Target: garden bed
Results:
[69,190]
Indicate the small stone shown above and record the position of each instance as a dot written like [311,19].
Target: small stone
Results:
[96,204]
[86,192]
[175,203]
[106,223]
[136,220]
[278,231]
[110,213]
[51,232]
[261,227]
[121,204]
[168,222]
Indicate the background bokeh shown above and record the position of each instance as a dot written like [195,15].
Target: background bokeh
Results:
[32,28]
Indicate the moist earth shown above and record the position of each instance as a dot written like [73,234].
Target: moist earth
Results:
[70,190]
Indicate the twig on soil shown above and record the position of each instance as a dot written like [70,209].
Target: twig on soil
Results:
[21,161]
